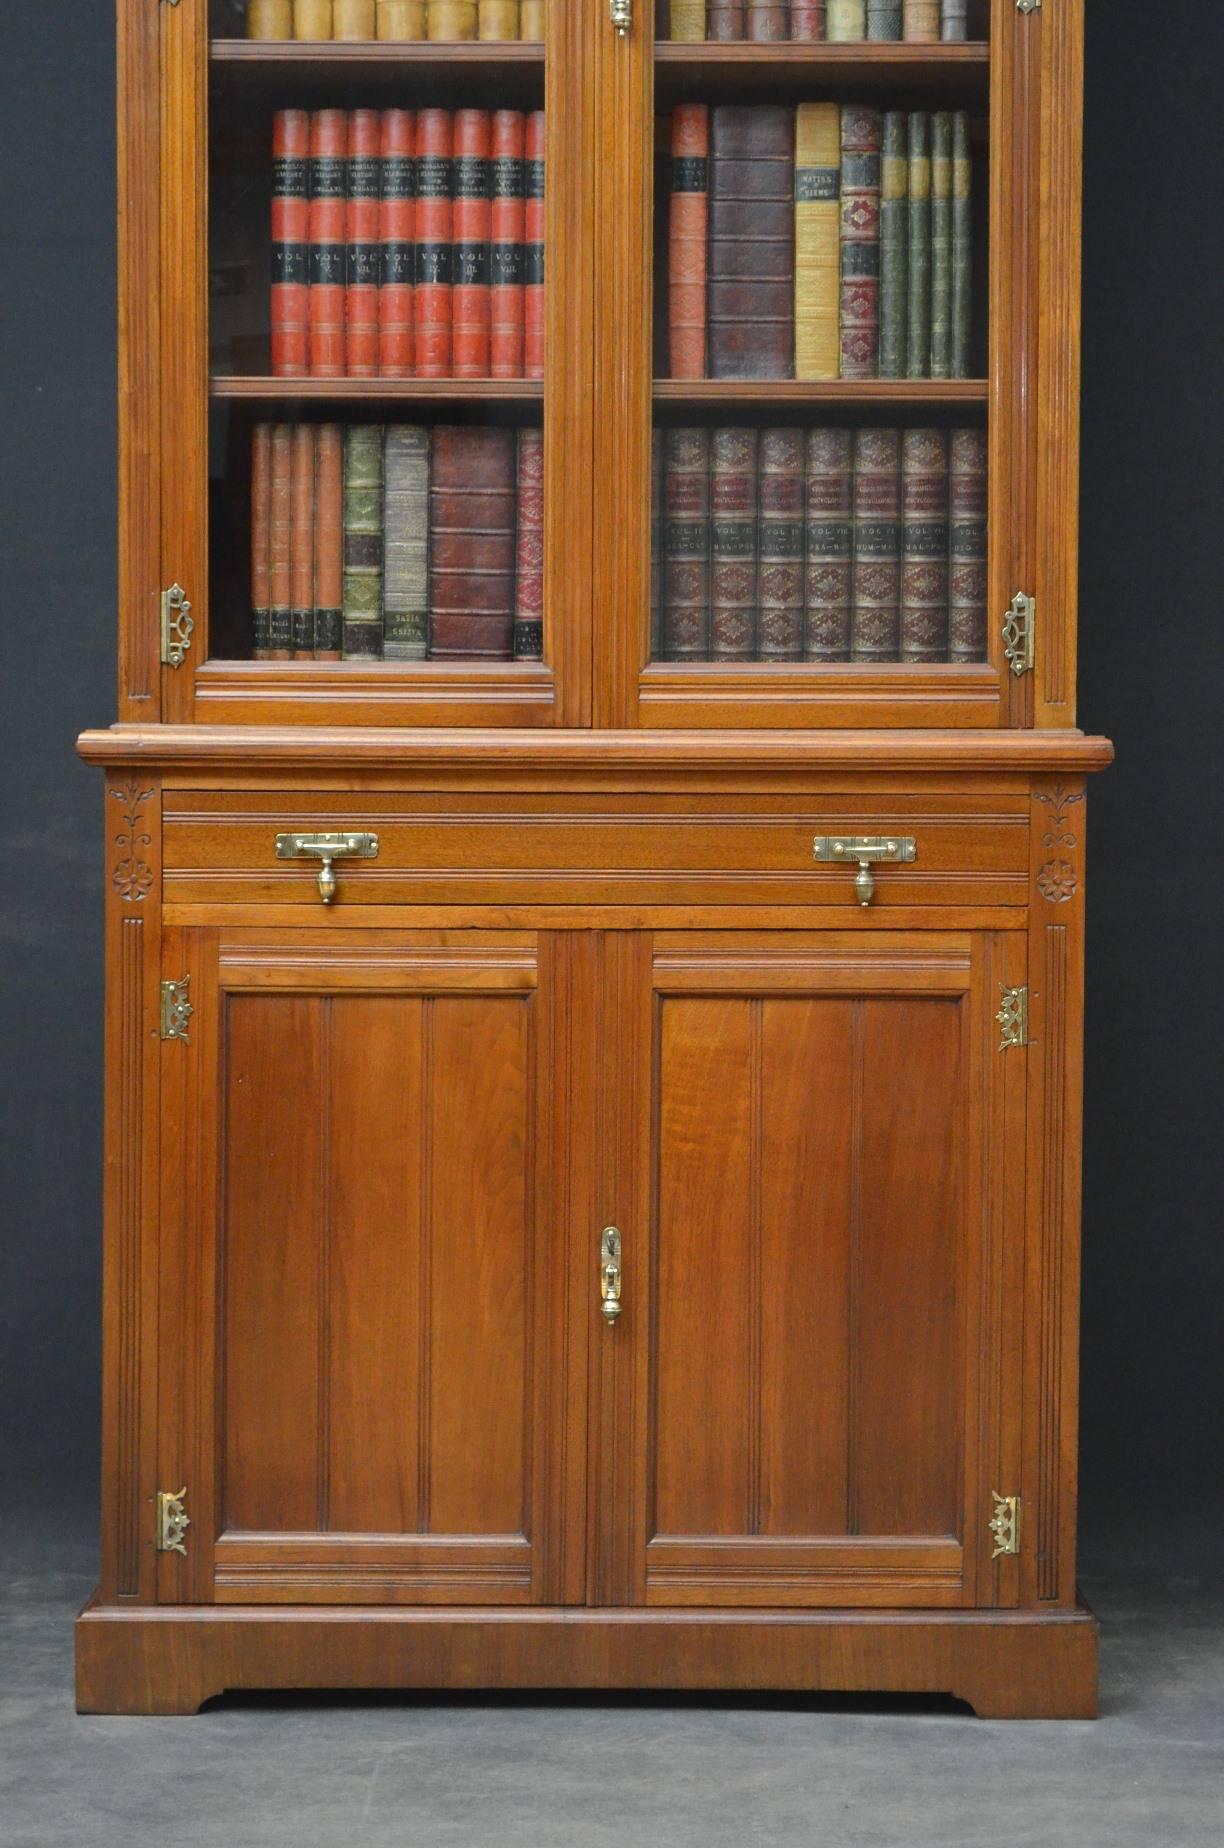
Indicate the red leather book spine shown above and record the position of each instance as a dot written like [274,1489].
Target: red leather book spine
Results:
[397,236]
[328,187]
[290,302]
[807,19]
[280,534]
[261,510]
[329,542]
[301,543]
[533,249]
[472,220]
[529,592]
[507,216]
[472,544]
[689,233]
[362,261]
[434,243]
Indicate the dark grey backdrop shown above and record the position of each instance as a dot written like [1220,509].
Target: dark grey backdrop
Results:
[1152,585]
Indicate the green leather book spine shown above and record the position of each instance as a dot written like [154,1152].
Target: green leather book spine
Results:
[918,215]
[962,247]
[363,542]
[941,246]
[406,543]
[894,240]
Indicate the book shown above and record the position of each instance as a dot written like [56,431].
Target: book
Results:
[817,241]
[329,543]
[883,19]
[918,254]
[962,247]
[733,544]
[533,248]
[328,256]
[397,234]
[472,543]
[301,543]
[846,21]
[686,527]
[688,20]
[269,19]
[529,574]
[452,19]
[531,19]
[656,544]
[688,232]
[954,19]
[922,20]
[280,544]
[752,249]
[876,610]
[400,20]
[894,208]
[861,135]
[497,19]
[506,227]
[780,564]
[405,543]
[924,545]
[828,545]
[967,587]
[766,21]
[363,543]
[261,537]
[289,307]
[807,19]
[473,133]
[434,243]
[363,261]
[313,19]
[353,19]
[941,245]
[726,20]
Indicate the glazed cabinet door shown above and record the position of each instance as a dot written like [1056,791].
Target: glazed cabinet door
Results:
[362,1296]
[810,1395]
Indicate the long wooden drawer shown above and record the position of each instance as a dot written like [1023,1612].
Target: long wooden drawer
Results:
[458,848]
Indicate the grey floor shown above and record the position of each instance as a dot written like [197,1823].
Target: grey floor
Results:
[482,1773]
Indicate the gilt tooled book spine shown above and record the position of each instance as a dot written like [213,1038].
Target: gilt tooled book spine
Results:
[397,234]
[301,543]
[498,19]
[922,20]
[954,19]
[328,250]
[472,223]
[472,544]
[289,312]
[656,544]
[363,542]
[533,248]
[733,544]
[363,263]
[752,243]
[529,577]
[875,617]
[766,22]
[828,547]
[353,19]
[894,208]
[726,20]
[861,135]
[780,547]
[689,218]
[962,247]
[918,219]
[329,543]
[506,221]
[807,19]
[817,241]
[452,19]
[846,21]
[434,243]
[406,543]
[261,514]
[883,19]
[967,502]
[401,20]
[941,246]
[313,19]
[269,19]
[280,543]
[686,541]
[687,21]
[924,545]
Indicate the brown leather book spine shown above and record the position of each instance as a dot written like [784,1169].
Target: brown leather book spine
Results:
[301,543]
[531,20]
[452,19]
[269,19]
[752,243]
[498,19]
[533,248]
[862,136]
[689,215]
[529,588]
[329,542]
[328,258]
[472,544]
[726,20]
[401,20]
[766,22]
[733,544]
[280,539]
[397,238]
[921,21]
[507,221]
[434,243]
[353,19]
[780,571]
[924,545]
[686,522]
[828,545]
[289,310]
[875,622]
[313,19]
[656,544]
[807,19]
[967,502]
[261,513]
[472,225]
[363,261]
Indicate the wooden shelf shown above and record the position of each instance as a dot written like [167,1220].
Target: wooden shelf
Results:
[365,391]
[417,54]
[701,68]
[821,391]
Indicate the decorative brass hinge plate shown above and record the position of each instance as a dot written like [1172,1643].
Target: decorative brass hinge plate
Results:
[1019,633]
[172,1522]
[1013,1017]
[1006,1525]
[177,626]
[176,1010]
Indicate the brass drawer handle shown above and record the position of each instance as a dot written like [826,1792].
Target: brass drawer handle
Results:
[610,1275]
[867,850]
[328,848]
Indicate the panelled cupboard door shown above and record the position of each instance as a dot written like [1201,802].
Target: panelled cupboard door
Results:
[363,1298]
[810,1393]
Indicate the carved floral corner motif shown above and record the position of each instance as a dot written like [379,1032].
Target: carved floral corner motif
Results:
[1058,880]
[133,876]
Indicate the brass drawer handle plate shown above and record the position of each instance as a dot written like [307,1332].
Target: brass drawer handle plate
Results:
[610,1276]
[328,848]
[868,850]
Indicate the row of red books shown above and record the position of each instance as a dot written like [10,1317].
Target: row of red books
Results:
[408,243]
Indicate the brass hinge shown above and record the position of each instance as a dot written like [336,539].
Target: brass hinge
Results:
[1019,633]
[1006,1524]
[1022,6]
[176,1010]
[172,1522]
[177,626]
[1013,1017]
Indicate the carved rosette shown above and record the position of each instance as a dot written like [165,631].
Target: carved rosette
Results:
[133,876]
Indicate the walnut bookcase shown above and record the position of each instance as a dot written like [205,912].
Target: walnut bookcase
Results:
[377,1412]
